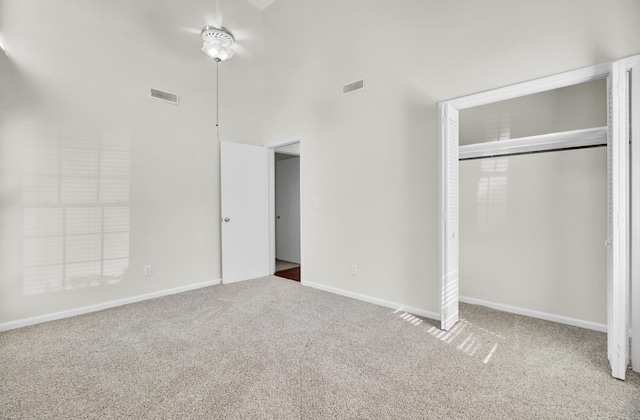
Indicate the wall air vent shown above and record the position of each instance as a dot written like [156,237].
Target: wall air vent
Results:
[164,96]
[353,87]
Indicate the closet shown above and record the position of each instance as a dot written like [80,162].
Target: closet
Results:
[523,175]
[533,224]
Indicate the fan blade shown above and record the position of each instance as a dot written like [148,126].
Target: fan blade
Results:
[193,31]
[242,35]
[240,50]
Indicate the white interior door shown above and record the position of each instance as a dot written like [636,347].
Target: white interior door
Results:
[288,210]
[449,275]
[618,236]
[244,178]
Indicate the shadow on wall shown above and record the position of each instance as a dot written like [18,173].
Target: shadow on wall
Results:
[71,187]
[492,194]
[75,207]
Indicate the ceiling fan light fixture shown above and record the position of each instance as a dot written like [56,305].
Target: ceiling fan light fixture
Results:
[217,43]
[217,52]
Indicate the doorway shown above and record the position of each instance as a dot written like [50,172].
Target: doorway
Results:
[286,258]
[287,212]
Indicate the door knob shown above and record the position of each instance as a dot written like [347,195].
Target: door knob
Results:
[226,219]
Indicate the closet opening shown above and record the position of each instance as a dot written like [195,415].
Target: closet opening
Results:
[533,215]
[617,191]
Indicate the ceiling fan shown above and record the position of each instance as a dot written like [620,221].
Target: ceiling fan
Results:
[217,42]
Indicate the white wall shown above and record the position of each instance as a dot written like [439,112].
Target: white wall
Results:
[570,108]
[378,196]
[288,209]
[80,71]
[532,232]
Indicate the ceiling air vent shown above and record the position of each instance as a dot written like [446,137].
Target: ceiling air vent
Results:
[164,96]
[352,87]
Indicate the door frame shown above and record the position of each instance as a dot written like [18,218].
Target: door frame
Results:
[634,95]
[618,315]
[271,147]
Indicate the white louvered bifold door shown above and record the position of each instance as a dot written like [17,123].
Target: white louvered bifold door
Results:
[449,217]
[617,243]
[634,278]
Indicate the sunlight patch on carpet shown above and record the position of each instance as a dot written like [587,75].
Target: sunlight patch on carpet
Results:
[474,341]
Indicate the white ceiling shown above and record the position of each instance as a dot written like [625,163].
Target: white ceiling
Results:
[262,4]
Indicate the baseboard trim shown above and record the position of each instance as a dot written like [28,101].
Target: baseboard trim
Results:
[370,299]
[536,314]
[101,306]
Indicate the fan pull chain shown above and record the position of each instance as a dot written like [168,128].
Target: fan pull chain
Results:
[217,101]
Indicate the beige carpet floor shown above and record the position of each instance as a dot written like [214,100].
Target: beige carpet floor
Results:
[273,349]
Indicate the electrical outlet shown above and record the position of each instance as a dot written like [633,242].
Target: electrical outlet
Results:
[354,270]
[147,270]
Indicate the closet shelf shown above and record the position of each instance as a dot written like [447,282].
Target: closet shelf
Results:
[588,137]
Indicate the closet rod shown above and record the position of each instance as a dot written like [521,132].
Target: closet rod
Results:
[560,149]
